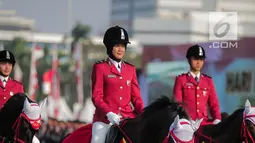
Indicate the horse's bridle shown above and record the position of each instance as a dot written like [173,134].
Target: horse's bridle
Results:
[34,123]
[245,133]
[176,139]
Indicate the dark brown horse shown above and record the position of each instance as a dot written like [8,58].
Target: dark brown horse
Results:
[19,119]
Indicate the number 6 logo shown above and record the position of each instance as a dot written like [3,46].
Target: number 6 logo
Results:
[222,26]
[219,25]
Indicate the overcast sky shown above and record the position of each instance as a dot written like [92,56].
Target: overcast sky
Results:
[52,15]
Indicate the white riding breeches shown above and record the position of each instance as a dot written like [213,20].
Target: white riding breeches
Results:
[99,131]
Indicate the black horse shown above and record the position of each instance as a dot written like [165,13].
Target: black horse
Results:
[236,128]
[15,126]
[150,127]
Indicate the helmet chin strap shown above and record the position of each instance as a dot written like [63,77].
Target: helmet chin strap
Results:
[115,59]
[109,52]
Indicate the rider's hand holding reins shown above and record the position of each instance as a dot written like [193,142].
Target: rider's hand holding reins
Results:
[216,121]
[113,118]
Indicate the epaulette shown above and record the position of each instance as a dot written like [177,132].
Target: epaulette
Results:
[128,63]
[206,75]
[102,61]
[181,74]
[15,80]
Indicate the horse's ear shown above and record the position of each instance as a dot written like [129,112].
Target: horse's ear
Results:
[43,103]
[247,106]
[26,104]
[196,125]
[177,123]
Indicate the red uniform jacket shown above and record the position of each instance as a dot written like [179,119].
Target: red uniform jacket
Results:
[12,87]
[195,97]
[113,91]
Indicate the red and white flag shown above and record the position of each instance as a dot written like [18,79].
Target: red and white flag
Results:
[55,81]
[77,55]
[36,54]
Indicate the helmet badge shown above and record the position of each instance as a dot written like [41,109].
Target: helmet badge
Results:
[200,51]
[7,55]
[122,34]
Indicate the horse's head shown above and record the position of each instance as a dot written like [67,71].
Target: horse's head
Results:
[29,121]
[20,118]
[182,130]
[249,122]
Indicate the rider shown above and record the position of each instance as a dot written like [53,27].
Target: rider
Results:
[8,86]
[196,90]
[115,89]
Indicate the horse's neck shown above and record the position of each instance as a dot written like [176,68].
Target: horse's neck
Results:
[224,133]
[24,134]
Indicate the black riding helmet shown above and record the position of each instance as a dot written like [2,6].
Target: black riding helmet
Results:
[115,35]
[7,56]
[196,51]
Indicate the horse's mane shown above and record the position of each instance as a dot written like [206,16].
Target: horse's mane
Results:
[14,105]
[16,101]
[161,103]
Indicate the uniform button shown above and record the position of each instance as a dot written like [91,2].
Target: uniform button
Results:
[4,97]
[119,108]
[188,86]
[121,87]
[120,77]
[197,110]
[120,98]
[197,95]
[4,89]
[2,106]
[198,87]
[197,103]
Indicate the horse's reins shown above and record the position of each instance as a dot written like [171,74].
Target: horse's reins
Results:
[16,130]
[245,133]
[207,137]
[120,128]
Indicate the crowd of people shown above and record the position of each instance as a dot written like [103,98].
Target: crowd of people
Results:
[53,131]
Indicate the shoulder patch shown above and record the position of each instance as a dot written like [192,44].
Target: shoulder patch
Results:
[206,75]
[128,63]
[102,61]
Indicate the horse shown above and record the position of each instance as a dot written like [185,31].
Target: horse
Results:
[19,119]
[236,128]
[151,126]
[182,131]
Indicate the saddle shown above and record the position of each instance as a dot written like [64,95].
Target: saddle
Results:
[114,135]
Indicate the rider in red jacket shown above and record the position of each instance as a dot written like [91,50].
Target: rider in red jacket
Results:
[115,89]
[196,90]
[8,86]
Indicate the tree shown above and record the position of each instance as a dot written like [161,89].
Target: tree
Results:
[23,56]
[80,31]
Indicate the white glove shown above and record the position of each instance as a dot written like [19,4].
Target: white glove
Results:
[35,140]
[216,121]
[113,118]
